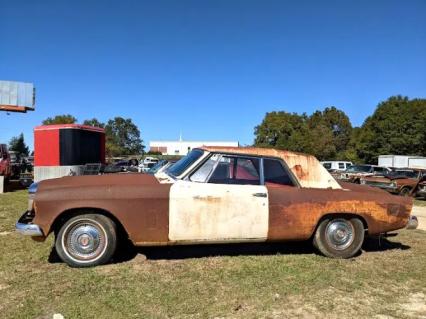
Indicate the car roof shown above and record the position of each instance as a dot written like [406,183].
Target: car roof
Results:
[306,168]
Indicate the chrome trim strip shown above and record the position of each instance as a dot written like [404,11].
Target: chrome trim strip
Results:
[28,229]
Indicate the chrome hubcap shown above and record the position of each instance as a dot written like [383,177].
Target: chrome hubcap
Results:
[85,240]
[339,234]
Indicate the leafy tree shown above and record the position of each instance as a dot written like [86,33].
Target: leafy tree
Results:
[94,122]
[339,124]
[282,130]
[17,144]
[398,126]
[351,153]
[60,119]
[323,134]
[122,137]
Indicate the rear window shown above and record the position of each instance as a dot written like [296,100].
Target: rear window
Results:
[275,173]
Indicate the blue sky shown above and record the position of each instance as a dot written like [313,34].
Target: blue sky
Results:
[210,69]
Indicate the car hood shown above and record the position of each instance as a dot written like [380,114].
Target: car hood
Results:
[98,180]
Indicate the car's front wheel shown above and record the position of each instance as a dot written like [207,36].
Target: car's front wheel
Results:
[86,240]
[339,237]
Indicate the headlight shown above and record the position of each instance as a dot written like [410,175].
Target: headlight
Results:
[33,188]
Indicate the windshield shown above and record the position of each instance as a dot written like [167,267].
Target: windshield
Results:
[156,167]
[359,168]
[180,166]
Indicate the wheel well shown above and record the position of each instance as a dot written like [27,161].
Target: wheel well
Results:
[345,215]
[68,214]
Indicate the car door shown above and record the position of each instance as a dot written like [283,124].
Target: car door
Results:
[221,201]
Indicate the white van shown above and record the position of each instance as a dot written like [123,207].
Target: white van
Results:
[336,165]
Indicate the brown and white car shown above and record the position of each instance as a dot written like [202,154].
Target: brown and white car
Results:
[213,195]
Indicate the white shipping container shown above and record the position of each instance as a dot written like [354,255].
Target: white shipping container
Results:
[402,161]
[385,160]
[419,162]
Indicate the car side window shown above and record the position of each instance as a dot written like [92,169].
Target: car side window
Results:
[236,170]
[341,165]
[275,173]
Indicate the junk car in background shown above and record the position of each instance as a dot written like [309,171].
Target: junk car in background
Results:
[333,166]
[397,181]
[355,172]
[420,189]
[160,167]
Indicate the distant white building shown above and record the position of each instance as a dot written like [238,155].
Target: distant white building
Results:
[182,147]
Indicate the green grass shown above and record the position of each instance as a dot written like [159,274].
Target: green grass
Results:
[418,202]
[263,281]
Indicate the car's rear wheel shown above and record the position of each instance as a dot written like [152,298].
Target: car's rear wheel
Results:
[86,240]
[339,237]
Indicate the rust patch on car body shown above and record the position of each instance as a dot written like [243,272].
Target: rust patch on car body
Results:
[138,201]
[294,213]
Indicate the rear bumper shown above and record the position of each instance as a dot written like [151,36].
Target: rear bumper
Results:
[413,222]
[26,227]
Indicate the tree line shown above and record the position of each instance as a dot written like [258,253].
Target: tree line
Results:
[397,126]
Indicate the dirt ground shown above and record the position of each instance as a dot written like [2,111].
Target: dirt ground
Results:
[420,213]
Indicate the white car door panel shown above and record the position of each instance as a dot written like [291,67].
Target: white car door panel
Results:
[217,212]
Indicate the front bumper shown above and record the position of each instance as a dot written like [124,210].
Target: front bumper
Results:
[26,227]
[413,222]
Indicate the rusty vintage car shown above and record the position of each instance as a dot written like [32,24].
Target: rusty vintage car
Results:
[355,173]
[420,189]
[212,195]
[398,181]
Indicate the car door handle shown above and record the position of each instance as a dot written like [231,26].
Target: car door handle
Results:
[260,195]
